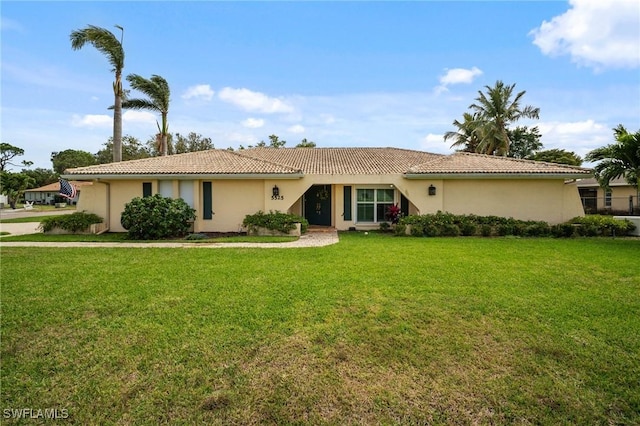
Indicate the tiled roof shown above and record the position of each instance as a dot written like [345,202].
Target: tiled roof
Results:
[592,182]
[55,186]
[326,161]
[468,163]
[344,161]
[214,162]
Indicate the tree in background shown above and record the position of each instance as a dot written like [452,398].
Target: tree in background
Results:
[558,156]
[274,142]
[41,177]
[13,186]
[525,142]
[158,93]
[467,136]
[304,143]
[132,149]
[107,43]
[7,153]
[621,159]
[191,143]
[71,158]
[489,120]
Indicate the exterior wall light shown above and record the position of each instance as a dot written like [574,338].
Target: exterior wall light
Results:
[275,191]
[432,190]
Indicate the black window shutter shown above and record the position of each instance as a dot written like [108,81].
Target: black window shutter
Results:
[146,189]
[207,201]
[347,203]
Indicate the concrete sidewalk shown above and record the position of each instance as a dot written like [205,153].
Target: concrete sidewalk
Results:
[311,239]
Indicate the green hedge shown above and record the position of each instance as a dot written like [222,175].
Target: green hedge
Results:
[74,222]
[447,224]
[156,217]
[276,221]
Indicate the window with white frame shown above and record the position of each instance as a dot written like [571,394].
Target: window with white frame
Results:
[372,204]
[607,199]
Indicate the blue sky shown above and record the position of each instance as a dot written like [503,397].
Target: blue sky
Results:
[337,73]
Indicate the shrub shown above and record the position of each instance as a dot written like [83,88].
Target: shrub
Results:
[384,226]
[156,217]
[417,230]
[450,230]
[276,221]
[468,229]
[400,229]
[605,225]
[74,222]
[563,230]
[431,231]
[486,230]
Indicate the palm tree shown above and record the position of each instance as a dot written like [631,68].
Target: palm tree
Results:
[495,110]
[111,47]
[157,90]
[619,159]
[467,136]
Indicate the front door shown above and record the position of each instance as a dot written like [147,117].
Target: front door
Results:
[317,205]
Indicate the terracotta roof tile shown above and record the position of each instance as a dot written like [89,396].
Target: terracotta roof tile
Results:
[214,161]
[55,186]
[464,162]
[344,161]
[325,161]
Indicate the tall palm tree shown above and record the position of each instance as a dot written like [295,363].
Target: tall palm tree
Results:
[495,110]
[466,138]
[111,47]
[619,159]
[157,90]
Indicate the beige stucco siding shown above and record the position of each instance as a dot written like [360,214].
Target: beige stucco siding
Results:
[527,199]
[619,197]
[94,200]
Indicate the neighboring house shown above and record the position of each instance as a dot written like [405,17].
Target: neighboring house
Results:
[47,194]
[345,188]
[621,197]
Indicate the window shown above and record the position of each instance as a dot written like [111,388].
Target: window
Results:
[372,204]
[607,199]
[165,188]
[186,191]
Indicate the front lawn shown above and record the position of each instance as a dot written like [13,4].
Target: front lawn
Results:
[373,330]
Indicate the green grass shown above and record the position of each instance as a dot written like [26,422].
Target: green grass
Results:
[373,330]
[115,237]
[27,219]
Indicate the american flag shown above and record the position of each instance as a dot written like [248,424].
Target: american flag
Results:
[67,190]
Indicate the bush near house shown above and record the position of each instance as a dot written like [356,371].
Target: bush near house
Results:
[450,225]
[157,217]
[74,222]
[275,221]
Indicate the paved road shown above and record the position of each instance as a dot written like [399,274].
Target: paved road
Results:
[28,227]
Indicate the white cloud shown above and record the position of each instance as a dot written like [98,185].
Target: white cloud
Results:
[201,91]
[253,123]
[595,33]
[432,143]
[91,120]
[577,136]
[138,117]
[296,129]
[460,75]
[457,76]
[254,101]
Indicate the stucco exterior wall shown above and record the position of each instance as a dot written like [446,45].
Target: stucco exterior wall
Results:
[548,200]
[233,199]
[619,197]
[94,200]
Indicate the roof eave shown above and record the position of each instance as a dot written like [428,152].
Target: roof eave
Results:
[182,176]
[424,176]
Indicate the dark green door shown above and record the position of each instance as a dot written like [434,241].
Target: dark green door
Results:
[317,205]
